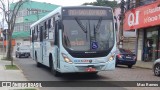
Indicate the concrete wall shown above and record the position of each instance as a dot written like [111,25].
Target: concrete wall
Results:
[140,45]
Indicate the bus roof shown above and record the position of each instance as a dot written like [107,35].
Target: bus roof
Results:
[58,10]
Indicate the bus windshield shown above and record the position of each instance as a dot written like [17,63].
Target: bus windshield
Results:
[88,34]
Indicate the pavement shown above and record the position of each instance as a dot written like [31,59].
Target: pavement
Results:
[17,75]
[11,75]
[142,64]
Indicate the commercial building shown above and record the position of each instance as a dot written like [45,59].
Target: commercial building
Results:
[144,17]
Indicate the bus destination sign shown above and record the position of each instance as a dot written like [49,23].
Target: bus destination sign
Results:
[87,12]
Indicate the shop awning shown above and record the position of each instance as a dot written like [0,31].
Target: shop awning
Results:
[21,34]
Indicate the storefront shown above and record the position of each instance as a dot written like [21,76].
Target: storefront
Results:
[146,20]
[152,35]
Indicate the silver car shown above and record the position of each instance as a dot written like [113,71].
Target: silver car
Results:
[23,51]
[156,67]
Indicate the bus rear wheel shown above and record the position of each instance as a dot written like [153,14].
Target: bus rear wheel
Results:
[38,64]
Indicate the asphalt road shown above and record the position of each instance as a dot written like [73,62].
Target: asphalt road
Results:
[122,73]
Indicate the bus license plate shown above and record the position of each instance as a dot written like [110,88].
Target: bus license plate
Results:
[90,69]
[128,57]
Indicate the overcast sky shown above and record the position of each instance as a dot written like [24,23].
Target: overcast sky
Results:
[63,2]
[68,2]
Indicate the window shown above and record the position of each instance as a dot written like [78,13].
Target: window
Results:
[35,34]
[38,32]
[49,23]
[45,25]
[52,29]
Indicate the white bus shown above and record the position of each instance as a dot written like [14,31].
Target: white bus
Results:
[75,39]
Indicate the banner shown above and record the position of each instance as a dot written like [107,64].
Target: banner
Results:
[80,84]
[142,17]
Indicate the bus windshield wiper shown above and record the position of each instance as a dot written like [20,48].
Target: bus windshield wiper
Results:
[96,28]
[81,25]
[98,24]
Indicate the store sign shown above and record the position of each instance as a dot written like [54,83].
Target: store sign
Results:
[141,17]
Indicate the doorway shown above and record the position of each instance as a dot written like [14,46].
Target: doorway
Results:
[151,41]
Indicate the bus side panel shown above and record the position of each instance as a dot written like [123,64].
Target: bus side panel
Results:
[37,51]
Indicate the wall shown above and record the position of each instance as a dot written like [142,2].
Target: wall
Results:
[140,44]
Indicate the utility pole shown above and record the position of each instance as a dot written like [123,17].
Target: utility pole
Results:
[121,37]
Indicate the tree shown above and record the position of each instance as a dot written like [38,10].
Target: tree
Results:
[10,18]
[103,3]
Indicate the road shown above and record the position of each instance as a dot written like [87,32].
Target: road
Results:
[121,73]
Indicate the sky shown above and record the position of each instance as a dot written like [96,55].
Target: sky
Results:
[68,2]
[64,2]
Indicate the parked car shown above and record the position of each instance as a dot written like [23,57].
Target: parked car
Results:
[23,50]
[125,57]
[156,67]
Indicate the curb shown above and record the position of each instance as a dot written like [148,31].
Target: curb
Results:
[21,71]
[143,67]
[25,76]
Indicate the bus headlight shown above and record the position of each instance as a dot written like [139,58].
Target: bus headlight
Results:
[66,59]
[111,58]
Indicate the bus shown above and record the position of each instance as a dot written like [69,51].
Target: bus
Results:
[75,39]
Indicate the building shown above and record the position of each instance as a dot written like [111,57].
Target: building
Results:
[29,12]
[144,17]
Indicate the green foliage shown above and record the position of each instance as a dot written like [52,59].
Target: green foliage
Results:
[103,3]
[11,67]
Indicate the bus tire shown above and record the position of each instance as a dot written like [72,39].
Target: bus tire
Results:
[93,73]
[51,66]
[38,64]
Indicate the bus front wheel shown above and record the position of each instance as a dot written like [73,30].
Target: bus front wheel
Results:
[51,66]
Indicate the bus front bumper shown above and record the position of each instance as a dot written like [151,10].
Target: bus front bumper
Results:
[73,68]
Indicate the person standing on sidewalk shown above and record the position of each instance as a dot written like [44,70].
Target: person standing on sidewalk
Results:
[146,50]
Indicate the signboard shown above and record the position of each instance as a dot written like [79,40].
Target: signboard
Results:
[141,17]
[94,45]
[87,12]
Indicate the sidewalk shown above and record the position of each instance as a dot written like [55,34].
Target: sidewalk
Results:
[142,64]
[11,75]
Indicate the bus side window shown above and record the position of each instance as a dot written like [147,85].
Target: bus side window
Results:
[41,33]
[49,23]
[35,34]
[38,38]
[32,35]
[51,30]
[56,33]
[45,30]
